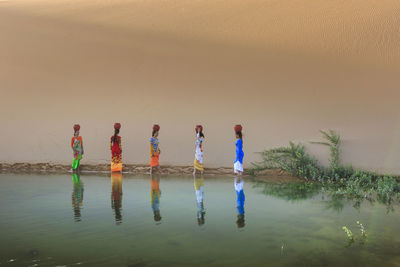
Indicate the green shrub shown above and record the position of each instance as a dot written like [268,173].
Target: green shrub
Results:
[339,179]
[333,141]
[387,187]
[293,159]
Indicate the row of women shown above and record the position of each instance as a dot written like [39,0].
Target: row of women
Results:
[155,196]
[116,149]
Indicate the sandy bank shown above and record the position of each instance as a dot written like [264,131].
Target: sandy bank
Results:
[48,168]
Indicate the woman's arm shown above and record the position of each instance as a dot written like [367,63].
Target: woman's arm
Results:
[151,148]
[72,144]
[83,151]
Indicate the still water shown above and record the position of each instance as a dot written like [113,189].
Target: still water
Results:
[66,220]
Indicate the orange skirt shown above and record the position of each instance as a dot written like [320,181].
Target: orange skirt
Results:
[116,167]
[116,163]
[154,161]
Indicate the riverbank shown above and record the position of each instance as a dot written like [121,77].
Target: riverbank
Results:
[270,175]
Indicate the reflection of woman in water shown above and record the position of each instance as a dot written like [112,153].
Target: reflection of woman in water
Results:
[116,149]
[155,195]
[238,183]
[77,196]
[116,196]
[199,187]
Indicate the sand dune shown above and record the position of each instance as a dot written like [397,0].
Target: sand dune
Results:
[284,69]
[357,28]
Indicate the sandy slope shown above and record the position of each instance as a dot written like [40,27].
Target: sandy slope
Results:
[357,28]
[284,69]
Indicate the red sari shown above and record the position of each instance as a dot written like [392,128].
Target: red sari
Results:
[116,154]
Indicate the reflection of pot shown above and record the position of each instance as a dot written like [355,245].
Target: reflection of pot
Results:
[240,221]
[116,196]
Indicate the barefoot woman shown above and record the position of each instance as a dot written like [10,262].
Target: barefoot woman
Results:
[116,150]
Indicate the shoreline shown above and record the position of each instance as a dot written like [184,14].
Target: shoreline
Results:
[267,175]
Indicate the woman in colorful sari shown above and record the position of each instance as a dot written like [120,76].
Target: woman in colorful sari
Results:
[238,163]
[77,148]
[116,150]
[155,149]
[198,156]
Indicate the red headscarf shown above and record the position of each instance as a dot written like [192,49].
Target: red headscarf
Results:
[156,127]
[117,126]
[77,127]
[238,128]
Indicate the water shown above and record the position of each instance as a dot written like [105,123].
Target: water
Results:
[60,220]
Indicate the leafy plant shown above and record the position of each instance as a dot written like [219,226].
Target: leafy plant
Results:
[362,229]
[293,159]
[387,187]
[333,141]
[352,238]
[349,233]
[341,181]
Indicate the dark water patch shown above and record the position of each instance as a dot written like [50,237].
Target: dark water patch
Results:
[174,243]
[138,264]
[317,258]
[33,253]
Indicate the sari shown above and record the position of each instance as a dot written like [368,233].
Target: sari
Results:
[198,156]
[116,154]
[76,144]
[238,163]
[154,152]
